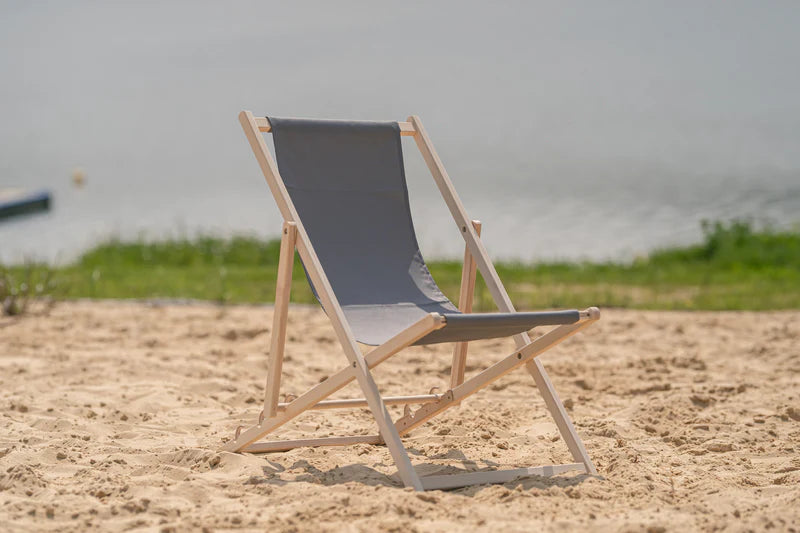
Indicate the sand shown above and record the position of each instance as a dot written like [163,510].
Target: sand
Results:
[112,414]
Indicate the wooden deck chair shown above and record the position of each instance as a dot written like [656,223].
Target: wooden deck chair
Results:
[341,189]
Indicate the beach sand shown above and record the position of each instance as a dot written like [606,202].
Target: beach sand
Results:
[112,414]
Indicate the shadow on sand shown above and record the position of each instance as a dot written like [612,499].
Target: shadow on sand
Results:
[369,476]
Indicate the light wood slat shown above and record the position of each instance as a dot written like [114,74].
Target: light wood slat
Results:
[283,286]
[453,481]
[406,128]
[285,445]
[468,275]
[362,402]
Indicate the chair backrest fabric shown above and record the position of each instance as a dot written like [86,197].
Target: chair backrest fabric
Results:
[347,182]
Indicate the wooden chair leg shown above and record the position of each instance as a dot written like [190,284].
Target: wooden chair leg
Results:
[278,342]
[468,275]
[560,416]
[386,426]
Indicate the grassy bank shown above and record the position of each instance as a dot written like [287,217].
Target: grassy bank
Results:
[734,267]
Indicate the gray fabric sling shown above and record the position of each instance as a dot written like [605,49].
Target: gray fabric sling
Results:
[347,182]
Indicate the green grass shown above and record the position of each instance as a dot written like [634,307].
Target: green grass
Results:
[734,267]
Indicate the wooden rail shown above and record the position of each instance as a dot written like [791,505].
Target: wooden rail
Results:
[406,128]
[362,402]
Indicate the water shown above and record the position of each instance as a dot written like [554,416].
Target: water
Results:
[571,131]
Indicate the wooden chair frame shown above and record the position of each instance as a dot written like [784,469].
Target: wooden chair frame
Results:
[276,414]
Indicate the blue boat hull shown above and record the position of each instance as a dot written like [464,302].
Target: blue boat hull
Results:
[23,203]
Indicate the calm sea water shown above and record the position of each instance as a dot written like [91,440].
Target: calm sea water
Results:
[579,131]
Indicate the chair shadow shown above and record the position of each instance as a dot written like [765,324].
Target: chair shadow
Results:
[335,476]
[455,453]
[370,477]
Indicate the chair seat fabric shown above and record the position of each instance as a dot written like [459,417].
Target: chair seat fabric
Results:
[377,324]
[475,326]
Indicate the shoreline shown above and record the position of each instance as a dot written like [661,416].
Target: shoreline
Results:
[735,267]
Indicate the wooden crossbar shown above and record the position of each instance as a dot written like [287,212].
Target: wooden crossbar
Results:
[351,403]
[406,128]
[286,445]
